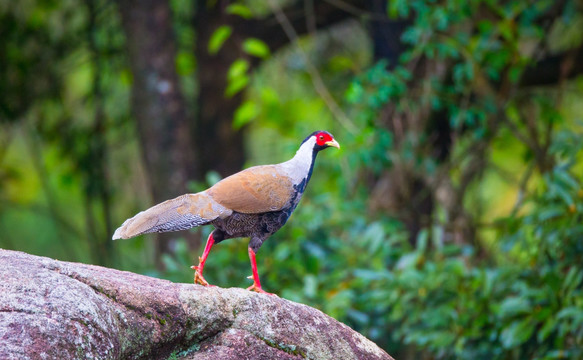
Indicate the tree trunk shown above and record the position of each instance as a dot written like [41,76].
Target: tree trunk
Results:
[168,144]
[219,145]
[157,102]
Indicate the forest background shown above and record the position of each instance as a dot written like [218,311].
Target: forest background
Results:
[450,224]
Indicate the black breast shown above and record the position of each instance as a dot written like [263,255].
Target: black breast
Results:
[252,225]
[257,226]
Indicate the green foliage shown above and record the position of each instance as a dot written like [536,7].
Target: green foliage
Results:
[454,308]
[245,113]
[218,38]
[239,9]
[185,64]
[445,300]
[514,291]
[237,77]
[256,48]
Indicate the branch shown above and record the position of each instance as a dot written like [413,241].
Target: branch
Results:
[522,190]
[324,14]
[319,85]
[554,69]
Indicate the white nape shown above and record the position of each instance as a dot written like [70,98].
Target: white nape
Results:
[298,167]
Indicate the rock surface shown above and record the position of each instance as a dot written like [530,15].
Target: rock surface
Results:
[51,309]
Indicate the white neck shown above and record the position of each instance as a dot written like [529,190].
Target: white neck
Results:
[305,152]
[298,167]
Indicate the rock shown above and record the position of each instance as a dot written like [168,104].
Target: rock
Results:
[52,309]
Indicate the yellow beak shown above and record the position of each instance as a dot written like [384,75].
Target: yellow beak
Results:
[333,143]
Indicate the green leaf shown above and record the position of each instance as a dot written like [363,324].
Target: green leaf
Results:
[550,213]
[396,8]
[443,339]
[408,261]
[256,47]
[237,77]
[218,38]
[185,63]
[126,77]
[516,333]
[506,29]
[236,85]
[341,63]
[514,74]
[513,306]
[571,312]
[547,328]
[354,93]
[239,9]
[245,113]
[563,194]
[374,237]
[422,239]
[310,285]
[573,279]
[566,179]
[238,69]
[372,275]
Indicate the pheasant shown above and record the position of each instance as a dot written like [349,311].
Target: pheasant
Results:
[253,203]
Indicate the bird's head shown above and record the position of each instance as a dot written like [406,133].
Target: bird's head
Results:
[322,140]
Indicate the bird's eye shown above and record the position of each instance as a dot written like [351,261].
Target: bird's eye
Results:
[321,137]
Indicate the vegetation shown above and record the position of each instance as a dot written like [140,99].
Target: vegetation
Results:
[450,225]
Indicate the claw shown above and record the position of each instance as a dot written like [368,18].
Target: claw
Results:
[256,283]
[258,289]
[198,278]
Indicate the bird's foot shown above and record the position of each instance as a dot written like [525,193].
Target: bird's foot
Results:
[198,278]
[257,288]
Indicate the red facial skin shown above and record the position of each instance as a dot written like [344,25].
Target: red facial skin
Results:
[322,138]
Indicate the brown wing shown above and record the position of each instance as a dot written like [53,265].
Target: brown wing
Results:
[255,190]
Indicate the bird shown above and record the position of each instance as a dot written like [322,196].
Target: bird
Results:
[253,203]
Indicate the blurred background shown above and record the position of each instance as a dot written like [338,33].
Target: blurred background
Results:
[449,225]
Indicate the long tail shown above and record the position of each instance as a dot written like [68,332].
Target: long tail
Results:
[183,212]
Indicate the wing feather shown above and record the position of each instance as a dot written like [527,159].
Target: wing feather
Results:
[180,213]
[255,190]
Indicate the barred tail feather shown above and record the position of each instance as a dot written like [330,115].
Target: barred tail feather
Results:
[183,212]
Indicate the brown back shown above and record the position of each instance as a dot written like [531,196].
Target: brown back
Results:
[255,190]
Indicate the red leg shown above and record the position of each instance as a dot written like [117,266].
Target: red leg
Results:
[256,283]
[198,279]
